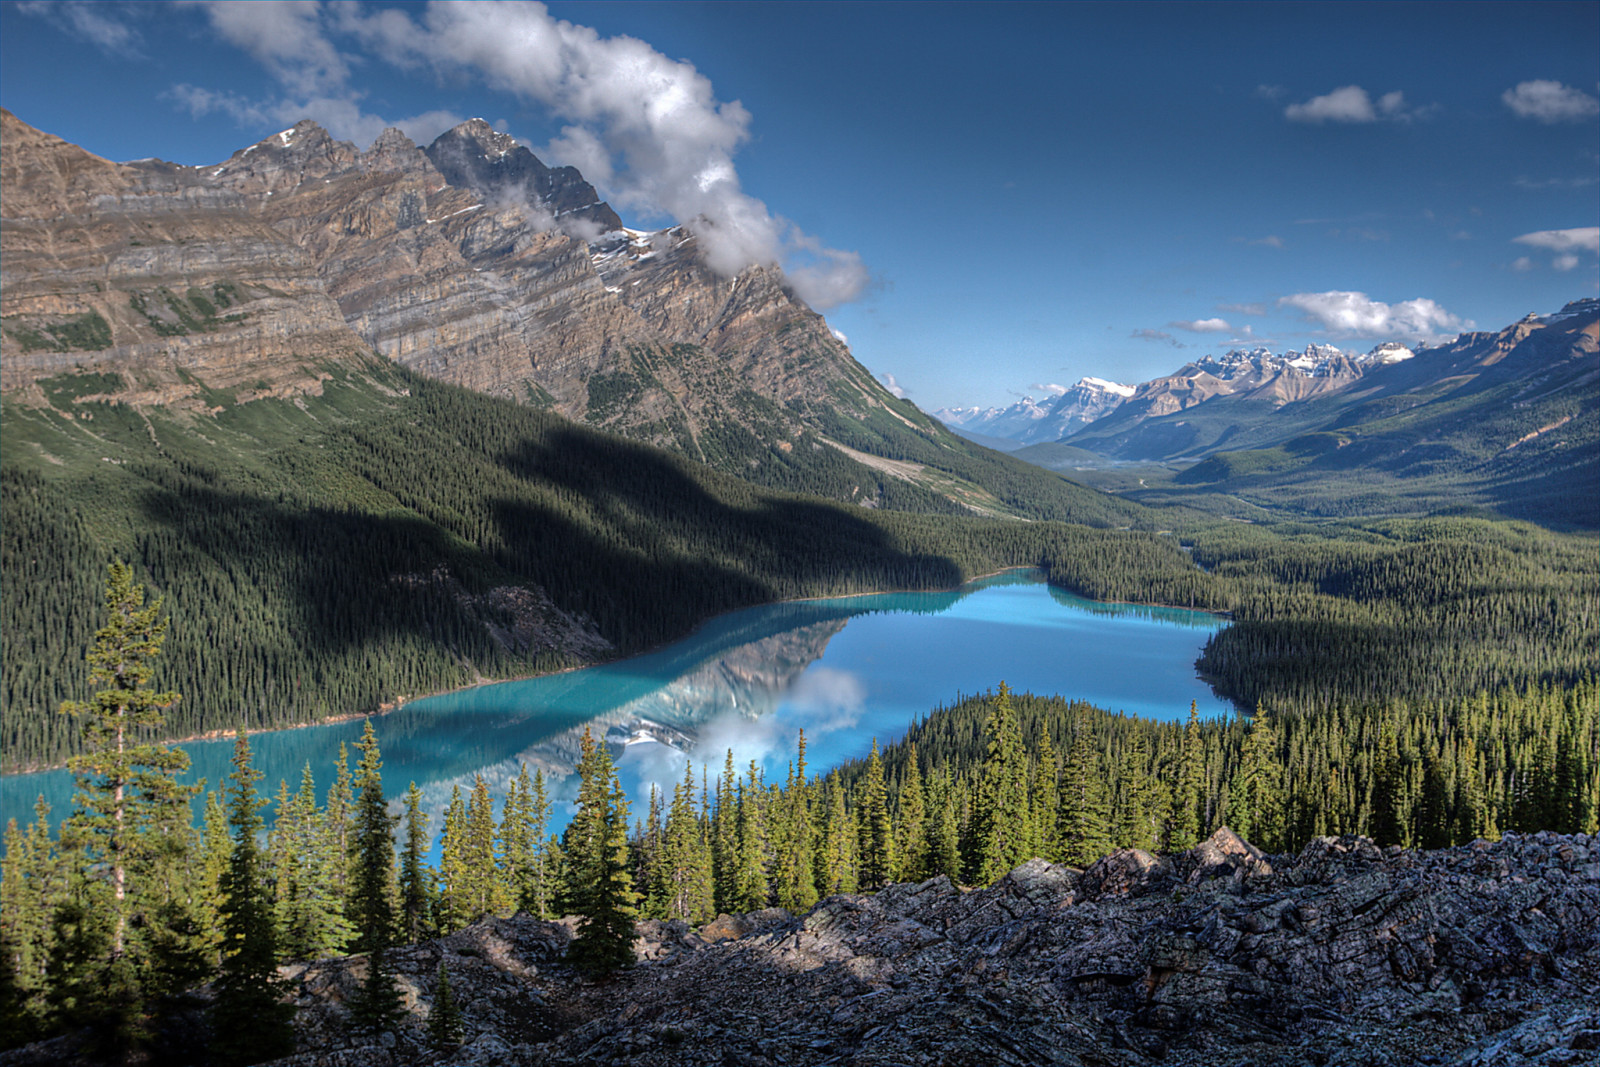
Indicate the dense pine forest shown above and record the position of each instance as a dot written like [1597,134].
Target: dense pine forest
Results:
[326,555]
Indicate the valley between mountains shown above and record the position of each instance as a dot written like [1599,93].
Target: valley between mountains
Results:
[377,423]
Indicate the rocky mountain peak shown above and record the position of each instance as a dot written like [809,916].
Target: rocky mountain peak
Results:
[492,164]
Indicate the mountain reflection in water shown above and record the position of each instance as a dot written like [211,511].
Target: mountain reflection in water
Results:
[748,681]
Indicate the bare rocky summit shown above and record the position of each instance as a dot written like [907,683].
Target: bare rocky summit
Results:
[1344,953]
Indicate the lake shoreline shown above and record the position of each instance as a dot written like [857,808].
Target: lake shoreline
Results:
[390,706]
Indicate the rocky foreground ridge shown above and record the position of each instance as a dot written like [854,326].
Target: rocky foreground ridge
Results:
[1345,953]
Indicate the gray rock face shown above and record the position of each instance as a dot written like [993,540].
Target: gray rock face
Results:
[1345,953]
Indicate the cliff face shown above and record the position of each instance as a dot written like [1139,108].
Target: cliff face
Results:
[167,282]
[1345,953]
[470,261]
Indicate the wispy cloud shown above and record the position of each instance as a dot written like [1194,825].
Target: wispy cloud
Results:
[893,386]
[1203,325]
[649,131]
[1243,309]
[1048,387]
[1550,102]
[1352,314]
[1157,335]
[98,24]
[1555,183]
[1353,104]
[1564,244]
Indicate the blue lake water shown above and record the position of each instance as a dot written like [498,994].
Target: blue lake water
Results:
[847,670]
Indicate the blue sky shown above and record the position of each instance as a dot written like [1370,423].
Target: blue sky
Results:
[988,199]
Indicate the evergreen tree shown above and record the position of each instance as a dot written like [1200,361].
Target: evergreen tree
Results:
[911,851]
[791,836]
[839,841]
[309,904]
[517,843]
[1255,808]
[1045,800]
[1387,826]
[1132,826]
[876,852]
[1001,819]
[250,1020]
[945,842]
[445,1026]
[725,839]
[129,810]
[30,887]
[685,861]
[1184,825]
[454,881]
[597,850]
[1085,809]
[751,878]
[540,891]
[484,890]
[376,1006]
[416,880]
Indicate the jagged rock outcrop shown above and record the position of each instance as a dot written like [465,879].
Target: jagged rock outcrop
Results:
[1344,953]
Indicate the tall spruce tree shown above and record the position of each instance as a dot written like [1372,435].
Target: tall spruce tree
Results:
[376,1006]
[600,887]
[1002,821]
[875,856]
[127,834]
[250,1021]
[685,862]
[416,878]
[911,853]
[1085,817]
[1183,826]
[1255,801]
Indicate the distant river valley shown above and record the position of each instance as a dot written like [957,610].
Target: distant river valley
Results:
[846,670]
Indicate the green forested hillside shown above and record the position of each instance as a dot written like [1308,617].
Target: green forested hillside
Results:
[326,554]
[396,536]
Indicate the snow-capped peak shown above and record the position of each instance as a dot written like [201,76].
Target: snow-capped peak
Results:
[1105,386]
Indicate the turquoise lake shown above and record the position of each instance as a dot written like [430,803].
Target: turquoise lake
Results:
[847,670]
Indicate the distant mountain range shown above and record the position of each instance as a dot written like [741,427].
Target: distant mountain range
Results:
[1508,420]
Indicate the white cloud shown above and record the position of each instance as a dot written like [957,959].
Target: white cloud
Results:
[1350,314]
[1204,326]
[1352,104]
[1349,104]
[647,130]
[1244,309]
[1565,244]
[1048,387]
[1582,239]
[1521,263]
[1550,102]
[838,335]
[893,386]
[92,22]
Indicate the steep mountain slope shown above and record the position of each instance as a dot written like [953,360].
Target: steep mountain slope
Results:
[473,263]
